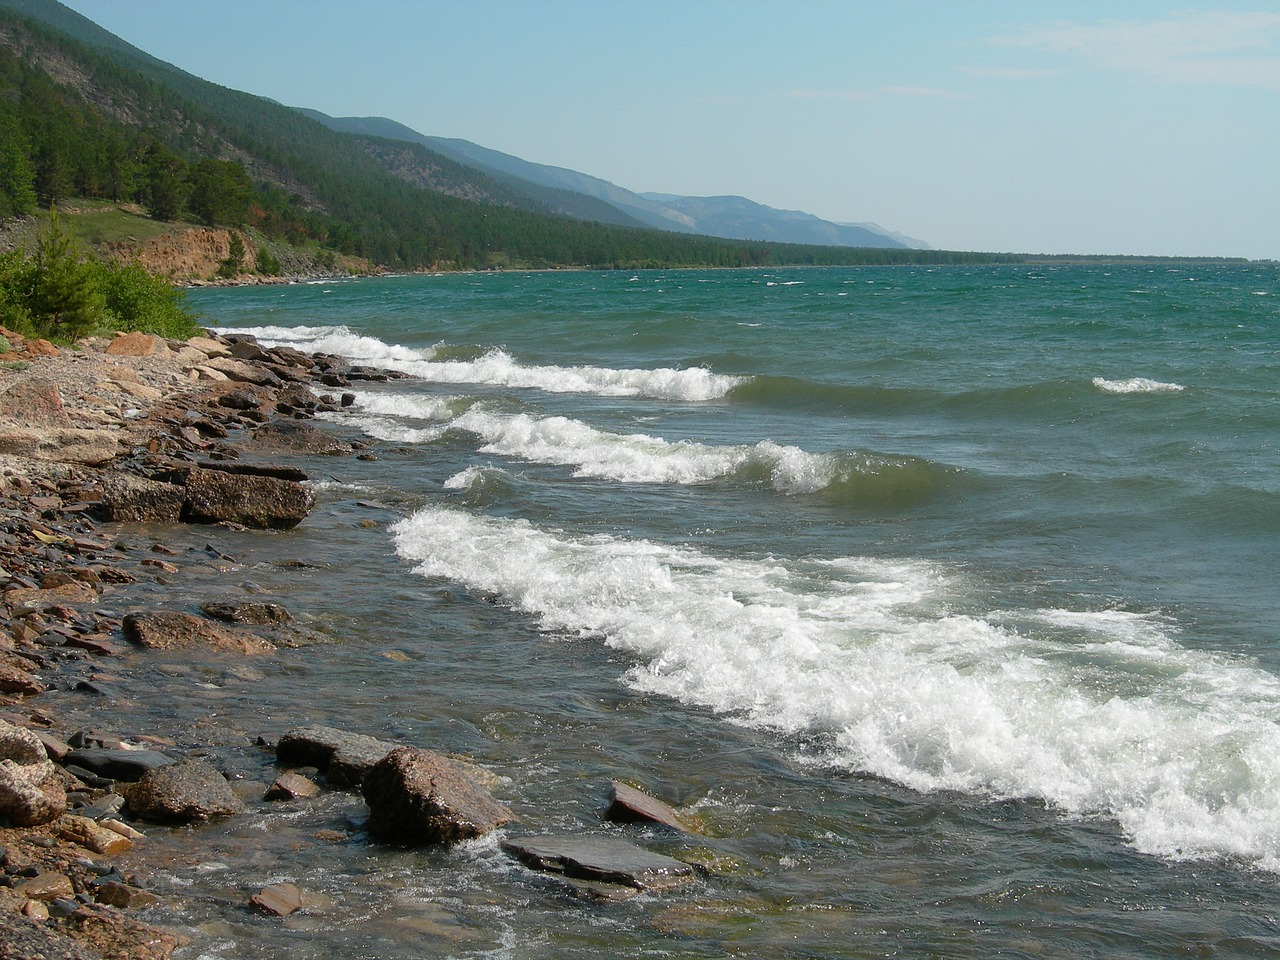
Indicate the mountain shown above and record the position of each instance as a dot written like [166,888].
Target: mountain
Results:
[735,218]
[86,116]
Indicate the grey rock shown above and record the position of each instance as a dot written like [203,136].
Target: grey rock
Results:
[126,497]
[183,792]
[128,766]
[600,859]
[421,797]
[345,758]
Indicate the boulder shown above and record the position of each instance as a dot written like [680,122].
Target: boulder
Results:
[421,797]
[298,436]
[22,682]
[60,444]
[183,792]
[24,600]
[345,758]
[242,372]
[600,859]
[30,792]
[629,805]
[36,403]
[172,630]
[138,344]
[260,612]
[126,497]
[215,496]
[209,346]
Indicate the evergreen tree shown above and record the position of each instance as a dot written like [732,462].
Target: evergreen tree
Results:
[66,299]
[17,179]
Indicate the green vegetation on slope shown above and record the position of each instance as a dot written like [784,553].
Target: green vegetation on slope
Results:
[120,125]
[62,295]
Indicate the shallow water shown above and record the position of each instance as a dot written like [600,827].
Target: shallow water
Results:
[942,597]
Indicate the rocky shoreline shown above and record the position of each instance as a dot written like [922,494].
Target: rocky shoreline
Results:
[141,430]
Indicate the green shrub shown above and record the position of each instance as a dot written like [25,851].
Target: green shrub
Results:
[138,300]
[59,295]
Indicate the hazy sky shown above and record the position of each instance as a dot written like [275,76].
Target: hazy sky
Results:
[1082,127]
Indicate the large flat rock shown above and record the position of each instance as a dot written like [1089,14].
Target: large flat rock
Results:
[600,859]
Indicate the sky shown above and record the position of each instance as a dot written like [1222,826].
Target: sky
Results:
[1118,127]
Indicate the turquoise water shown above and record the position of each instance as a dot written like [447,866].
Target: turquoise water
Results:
[944,596]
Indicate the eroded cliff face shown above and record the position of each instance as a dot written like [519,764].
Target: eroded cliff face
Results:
[186,255]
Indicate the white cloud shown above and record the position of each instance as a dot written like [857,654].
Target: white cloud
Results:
[1204,47]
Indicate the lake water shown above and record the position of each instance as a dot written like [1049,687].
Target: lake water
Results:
[943,599]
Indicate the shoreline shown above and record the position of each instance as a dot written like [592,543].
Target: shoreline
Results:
[132,429]
[171,435]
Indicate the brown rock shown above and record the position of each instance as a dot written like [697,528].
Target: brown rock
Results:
[46,886]
[214,496]
[36,402]
[89,834]
[125,896]
[291,786]
[419,797]
[629,805]
[280,899]
[171,630]
[37,600]
[246,611]
[16,680]
[39,347]
[183,792]
[30,793]
[297,435]
[138,344]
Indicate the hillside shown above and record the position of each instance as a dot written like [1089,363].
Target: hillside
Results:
[734,218]
[84,115]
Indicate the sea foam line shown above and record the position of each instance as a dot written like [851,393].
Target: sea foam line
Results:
[601,454]
[499,368]
[1095,713]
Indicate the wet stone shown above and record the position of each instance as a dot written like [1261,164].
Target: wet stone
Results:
[629,805]
[183,792]
[124,765]
[600,859]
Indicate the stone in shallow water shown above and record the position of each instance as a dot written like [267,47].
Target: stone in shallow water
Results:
[183,792]
[629,805]
[345,758]
[422,797]
[601,860]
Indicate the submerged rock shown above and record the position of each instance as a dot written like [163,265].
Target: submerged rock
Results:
[421,797]
[171,630]
[600,859]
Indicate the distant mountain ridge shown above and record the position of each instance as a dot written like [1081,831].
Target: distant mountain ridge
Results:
[733,218]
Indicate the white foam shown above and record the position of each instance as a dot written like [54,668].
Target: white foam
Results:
[1136,385]
[499,368]
[1097,713]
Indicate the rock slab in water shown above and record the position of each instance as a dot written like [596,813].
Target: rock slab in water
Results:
[171,630]
[345,758]
[183,792]
[280,899]
[601,859]
[421,797]
[260,502]
[629,805]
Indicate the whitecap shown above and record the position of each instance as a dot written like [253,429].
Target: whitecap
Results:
[863,660]
[1136,385]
